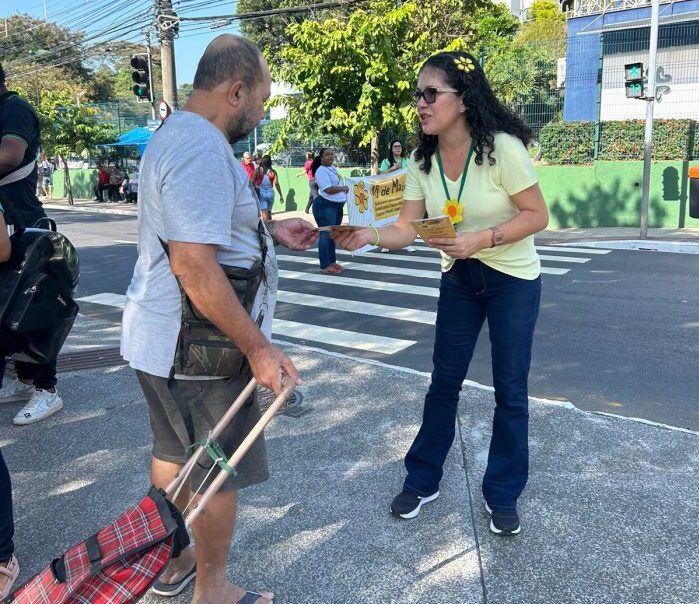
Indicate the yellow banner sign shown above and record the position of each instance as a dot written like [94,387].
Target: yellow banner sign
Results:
[387,196]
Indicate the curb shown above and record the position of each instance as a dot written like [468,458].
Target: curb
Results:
[117,211]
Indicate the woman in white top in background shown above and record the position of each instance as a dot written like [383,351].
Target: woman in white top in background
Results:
[328,206]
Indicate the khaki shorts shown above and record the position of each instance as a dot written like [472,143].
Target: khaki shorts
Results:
[182,413]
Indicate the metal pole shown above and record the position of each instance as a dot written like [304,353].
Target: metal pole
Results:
[650,100]
[150,76]
[598,124]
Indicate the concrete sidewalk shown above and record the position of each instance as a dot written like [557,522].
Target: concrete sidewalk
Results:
[687,235]
[609,514]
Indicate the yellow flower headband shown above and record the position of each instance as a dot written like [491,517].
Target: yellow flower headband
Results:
[464,64]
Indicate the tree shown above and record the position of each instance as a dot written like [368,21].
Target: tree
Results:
[184,91]
[271,33]
[43,43]
[355,74]
[68,128]
[547,29]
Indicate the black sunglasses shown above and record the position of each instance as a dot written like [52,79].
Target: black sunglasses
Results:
[430,93]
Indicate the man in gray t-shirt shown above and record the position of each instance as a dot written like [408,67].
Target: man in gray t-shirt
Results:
[195,196]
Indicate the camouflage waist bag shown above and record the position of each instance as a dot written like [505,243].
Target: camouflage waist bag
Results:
[202,348]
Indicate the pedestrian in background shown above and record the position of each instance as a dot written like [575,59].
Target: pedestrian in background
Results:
[248,165]
[472,164]
[328,207]
[266,180]
[102,184]
[46,169]
[19,145]
[395,160]
[308,173]
[116,178]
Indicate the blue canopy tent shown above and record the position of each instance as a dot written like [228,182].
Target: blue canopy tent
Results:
[137,137]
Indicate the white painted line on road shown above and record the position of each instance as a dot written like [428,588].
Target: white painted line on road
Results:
[106,299]
[339,337]
[405,272]
[572,250]
[363,308]
[370,268]
[393,257]
[551,402]
[125,241]
[564,259]
[418,290]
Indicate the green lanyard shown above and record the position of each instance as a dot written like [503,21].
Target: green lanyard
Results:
[463,175]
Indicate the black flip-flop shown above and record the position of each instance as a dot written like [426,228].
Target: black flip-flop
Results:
[250,597]
[172,589]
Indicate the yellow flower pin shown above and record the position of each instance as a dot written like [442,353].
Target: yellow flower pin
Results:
[453,209]
[464,64]
[361,197]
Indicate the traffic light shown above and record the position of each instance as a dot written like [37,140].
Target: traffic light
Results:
[141,77]
[633,79]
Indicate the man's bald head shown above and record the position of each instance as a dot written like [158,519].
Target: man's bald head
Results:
[229,57]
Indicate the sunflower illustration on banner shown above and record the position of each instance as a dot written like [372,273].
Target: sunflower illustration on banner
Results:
[361,197]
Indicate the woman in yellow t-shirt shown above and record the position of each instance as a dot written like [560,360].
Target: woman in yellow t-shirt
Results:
[471,164]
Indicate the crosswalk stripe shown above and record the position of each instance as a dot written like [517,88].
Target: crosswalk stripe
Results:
[392,270]
[423,247]
[339,337]
[393,257]
[368,268]
[572,250]
[364,308]
[318,333]
[106,299]
[418,290]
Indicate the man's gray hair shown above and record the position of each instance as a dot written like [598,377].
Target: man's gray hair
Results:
[228,57]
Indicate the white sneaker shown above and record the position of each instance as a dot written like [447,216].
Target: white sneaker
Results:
[409,248]
[41,405]
[16,391]
[384,250]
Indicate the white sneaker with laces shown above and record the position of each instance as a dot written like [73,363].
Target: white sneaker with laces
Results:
[16,391]
[41,405]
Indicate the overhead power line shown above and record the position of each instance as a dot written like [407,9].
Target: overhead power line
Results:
[274,12]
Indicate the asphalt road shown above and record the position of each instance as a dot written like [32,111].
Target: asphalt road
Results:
[616,333]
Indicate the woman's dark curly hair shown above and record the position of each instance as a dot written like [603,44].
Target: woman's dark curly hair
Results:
[317,159]
[485,114]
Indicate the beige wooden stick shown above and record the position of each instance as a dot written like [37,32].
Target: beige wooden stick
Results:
[172,490]
[234,459]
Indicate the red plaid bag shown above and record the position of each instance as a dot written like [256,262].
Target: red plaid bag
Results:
[118,564]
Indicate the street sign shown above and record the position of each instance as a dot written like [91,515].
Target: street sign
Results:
[152,125]
[165,110]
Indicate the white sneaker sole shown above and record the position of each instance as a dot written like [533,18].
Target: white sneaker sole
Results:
[21,421]
[416,511]
[495,529]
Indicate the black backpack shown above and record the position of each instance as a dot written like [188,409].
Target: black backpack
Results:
[37,309]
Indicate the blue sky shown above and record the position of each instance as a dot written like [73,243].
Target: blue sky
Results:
[188,47]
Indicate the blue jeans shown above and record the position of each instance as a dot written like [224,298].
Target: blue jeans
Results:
[327,213]
[469,293]
[7,527]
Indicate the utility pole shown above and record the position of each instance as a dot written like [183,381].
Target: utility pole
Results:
[150,75]
[650,100]
[168,25]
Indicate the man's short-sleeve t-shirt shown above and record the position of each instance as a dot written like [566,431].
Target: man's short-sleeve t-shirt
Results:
[18,120]
[486,202]
[191,189]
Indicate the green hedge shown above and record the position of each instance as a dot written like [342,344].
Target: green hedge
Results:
[573,142]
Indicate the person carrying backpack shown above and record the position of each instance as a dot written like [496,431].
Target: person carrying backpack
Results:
[19,145]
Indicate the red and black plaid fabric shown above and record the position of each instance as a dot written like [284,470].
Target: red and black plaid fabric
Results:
[115,566]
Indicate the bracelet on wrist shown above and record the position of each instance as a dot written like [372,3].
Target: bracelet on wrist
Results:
[271,226]
[378,237]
